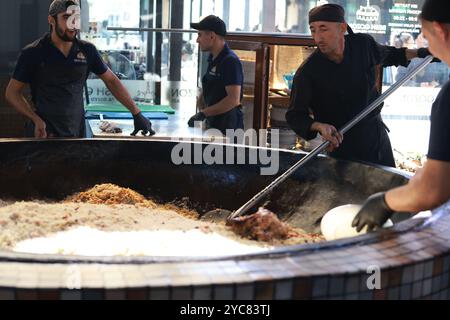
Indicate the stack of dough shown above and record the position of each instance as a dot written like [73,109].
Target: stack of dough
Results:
[337,223]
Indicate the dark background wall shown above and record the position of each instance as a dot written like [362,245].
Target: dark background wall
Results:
[21,22]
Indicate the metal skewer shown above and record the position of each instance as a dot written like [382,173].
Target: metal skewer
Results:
[375,104]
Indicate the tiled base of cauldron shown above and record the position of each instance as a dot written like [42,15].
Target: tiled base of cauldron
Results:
[414,264]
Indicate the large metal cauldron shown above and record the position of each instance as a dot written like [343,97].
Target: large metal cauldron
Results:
[55,169]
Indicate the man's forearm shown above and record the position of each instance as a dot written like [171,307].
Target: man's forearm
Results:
[315,126]
[22,106]
[428,189]
[119,92]
[224,105]
[201,103]
[410,199]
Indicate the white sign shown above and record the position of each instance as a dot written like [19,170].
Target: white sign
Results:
[410,101]
[367,20]
[141,91]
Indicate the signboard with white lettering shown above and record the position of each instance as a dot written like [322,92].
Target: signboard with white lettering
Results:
[141,91]
[404,17]
[368,19]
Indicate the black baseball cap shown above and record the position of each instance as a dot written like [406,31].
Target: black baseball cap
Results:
[211,23]
[59,6]
[436,10]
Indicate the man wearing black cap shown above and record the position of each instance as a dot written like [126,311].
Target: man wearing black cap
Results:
[337,82]
[56,68]
[222,84]
[430,187]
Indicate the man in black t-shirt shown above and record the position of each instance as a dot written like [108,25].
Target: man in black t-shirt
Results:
[430,187]
[222,85]
[56,68]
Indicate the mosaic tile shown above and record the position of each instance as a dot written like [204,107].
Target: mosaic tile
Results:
[49,295]
[260,276]
[223,292]
[426,288]
[395,277]
[385,244]
[24,294]
[393,293]
[118,294]
[181,293]
[284,289]
[353,296]
[302,288]
[445,279]
[379,294]
[418,271]
[352,284]
[432,251]
[436,284]
[70,294]
[408,274]
[320,287]
[91,283]
[428,269]
[137,294]
[406,292]
[438,266]
[390,252]
[24,283]
[162,293]
[264,290]
[7,294]
[435,296]
[413,246]
[202,293]
[336,286]
[417,290]
[183,281]
[93,294]
[245,291]
[366,295]
[401,260]
[113,282]
[446,263]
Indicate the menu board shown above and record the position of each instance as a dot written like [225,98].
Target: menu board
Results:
[404,16]
[368,18]
[384,19]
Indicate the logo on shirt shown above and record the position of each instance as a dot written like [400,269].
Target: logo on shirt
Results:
[213,71]
[81,58]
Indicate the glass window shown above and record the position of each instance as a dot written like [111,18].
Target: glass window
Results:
[167,63]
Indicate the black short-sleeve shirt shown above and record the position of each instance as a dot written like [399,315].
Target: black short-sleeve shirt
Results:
[57,82]
[42,51]
[225,70]
[439,147]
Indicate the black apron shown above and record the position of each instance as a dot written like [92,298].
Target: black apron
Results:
[369,142]
[58,94]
